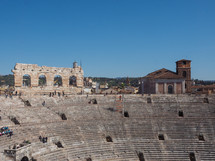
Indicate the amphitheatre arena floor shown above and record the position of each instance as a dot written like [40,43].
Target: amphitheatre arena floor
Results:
[155,127]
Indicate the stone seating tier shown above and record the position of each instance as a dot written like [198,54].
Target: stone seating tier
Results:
[83,134]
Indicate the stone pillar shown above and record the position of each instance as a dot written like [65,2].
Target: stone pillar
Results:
[34,80]
[175,88]
[156,88]
[183,86]
[79,82]
[17,80]
[50,80]
[65,81]
[165,88]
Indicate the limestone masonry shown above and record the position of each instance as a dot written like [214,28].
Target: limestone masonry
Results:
[31,78]
[43,121]
[152,128]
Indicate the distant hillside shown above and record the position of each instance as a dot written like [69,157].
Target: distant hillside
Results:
[7,80]
[117,81]
[201,82]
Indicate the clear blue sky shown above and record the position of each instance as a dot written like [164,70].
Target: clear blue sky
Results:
[112,38]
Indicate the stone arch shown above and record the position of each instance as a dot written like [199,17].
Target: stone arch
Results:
[58,80]
[73,81]
[170,89]
[25,159]
[26,80]
[42,80]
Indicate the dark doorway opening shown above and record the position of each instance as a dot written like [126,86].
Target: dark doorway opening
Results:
[180,113]
[59,145]
[126,114]
[93,101]
[192,157]
[25,159]
[14,120]
[161,137]
[88,159]
[201,137]
[109,139]
[111,109]
[206,100]
[170,89]
[149,100]
[141,156]
[32,159]
[63,116]
[27,103]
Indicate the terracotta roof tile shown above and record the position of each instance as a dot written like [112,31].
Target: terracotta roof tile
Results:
[183,60]
[163,74]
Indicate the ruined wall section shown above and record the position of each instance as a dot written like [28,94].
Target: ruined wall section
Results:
[35,71]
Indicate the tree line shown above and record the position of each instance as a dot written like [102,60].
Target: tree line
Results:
[124,81]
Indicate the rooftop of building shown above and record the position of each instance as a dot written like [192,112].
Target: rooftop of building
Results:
[183,60]
[163,74]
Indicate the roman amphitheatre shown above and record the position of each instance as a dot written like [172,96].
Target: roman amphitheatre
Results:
[97,127]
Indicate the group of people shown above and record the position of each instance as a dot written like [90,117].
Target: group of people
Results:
[10,94]
[43,139]
[51,94]
[6,131]
[17,146]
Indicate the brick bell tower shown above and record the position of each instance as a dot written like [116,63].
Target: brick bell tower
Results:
[183,68]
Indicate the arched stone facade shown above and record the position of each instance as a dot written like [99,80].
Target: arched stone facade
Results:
[35,71]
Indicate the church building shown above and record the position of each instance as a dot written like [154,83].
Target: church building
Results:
[164,81]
